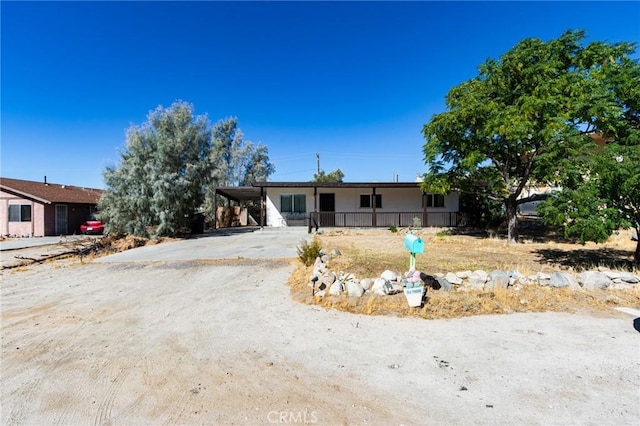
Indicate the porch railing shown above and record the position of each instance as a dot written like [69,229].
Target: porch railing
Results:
[383,219]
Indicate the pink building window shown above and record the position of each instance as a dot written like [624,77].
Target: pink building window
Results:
[19,213]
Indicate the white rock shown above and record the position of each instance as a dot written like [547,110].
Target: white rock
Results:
[378,285]
[320,268]
[336,288]
[482,274]
[594,280]
[612,274]
[391,288]
[354,289]
[543,276]
[621,286]
[366,283]
[453,279]
[328,278]
[349,277]
[628,277]
[463,274]
[497,279]
[477,281]
[389,275]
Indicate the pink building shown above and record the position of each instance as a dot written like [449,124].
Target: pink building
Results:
[39,209]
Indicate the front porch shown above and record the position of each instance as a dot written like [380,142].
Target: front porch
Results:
[347,204]
[381,219]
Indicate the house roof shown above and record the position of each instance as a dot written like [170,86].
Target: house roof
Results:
[244,193]
[337,184]
[50,192]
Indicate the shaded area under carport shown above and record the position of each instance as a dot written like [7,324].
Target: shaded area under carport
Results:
[242,194]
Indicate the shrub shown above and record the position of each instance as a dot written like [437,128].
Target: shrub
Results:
[308,252]
[393,229]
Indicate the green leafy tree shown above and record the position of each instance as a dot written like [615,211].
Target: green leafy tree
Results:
[159,183]
[334,176]
[600,197]
[522,117]
[601,189]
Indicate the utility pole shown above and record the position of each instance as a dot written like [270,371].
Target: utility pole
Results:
[318,158]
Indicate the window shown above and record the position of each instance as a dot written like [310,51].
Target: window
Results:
[365,201]
[293,203]
[19,213]
[435,200]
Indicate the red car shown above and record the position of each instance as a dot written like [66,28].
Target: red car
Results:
[92,226]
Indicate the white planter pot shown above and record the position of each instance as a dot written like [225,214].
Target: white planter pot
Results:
[414,296]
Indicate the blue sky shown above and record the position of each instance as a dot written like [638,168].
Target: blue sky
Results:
[352,81]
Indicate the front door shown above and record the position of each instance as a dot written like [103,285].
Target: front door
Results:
[327,209]
[61,219]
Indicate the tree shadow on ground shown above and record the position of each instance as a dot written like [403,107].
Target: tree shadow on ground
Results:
[581,259]
[225,232]
[529,228]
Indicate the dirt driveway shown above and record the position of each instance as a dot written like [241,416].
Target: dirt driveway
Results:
[220,341]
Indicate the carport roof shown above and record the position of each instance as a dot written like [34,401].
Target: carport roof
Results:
[239,193]
[336,184]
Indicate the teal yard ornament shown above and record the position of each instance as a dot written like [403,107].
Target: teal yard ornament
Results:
[414,290]
[415,245]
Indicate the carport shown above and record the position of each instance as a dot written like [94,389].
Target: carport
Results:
[241,194]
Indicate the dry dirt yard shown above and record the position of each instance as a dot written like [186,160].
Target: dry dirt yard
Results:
[224,342]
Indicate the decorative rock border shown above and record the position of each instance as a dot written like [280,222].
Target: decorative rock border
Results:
[323,281]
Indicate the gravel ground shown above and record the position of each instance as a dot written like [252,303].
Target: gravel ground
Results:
[221,342]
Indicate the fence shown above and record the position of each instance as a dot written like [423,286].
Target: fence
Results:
[383,219]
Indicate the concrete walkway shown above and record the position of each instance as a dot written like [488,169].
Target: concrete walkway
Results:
[231,243]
